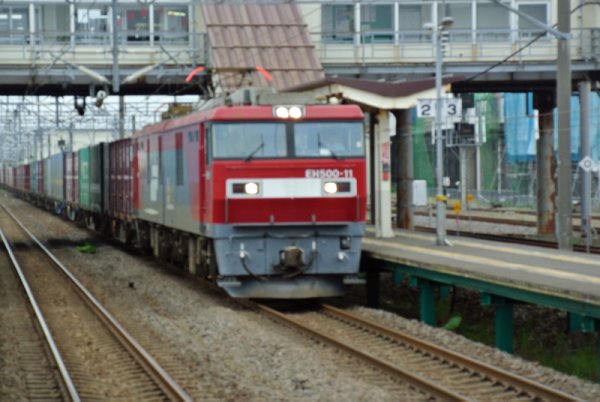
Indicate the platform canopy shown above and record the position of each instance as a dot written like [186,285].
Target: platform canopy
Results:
[378,95]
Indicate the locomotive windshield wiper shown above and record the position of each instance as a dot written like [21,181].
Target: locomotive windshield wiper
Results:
[251,154]
[326,147]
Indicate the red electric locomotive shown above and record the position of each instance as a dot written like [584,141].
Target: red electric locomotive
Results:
[264,193]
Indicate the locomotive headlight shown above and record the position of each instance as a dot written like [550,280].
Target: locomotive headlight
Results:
[244,188]
[251,188]
[330,187]
[288,111]
[282,112]
[295,112]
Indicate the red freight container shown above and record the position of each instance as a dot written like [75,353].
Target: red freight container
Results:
[120,186]
[18,177]
[22,178]
[40,177]
[27,178]
[72,178]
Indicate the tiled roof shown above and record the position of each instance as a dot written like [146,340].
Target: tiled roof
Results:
[272,36]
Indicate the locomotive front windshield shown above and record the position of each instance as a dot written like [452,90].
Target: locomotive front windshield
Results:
[339,139]
[243,140]
[287,140]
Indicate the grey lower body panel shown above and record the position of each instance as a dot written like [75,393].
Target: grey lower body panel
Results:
[287,262]
[301,287]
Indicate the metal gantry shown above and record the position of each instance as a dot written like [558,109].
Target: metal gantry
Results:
[32,126]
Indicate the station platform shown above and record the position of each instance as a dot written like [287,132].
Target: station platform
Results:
[505,274]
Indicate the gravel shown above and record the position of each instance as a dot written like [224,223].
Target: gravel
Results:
[225,352]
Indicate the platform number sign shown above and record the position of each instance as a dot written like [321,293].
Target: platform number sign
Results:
[450,107]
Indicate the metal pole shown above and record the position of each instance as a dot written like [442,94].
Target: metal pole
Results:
[462,152]
[71,137]
[19,134]
[56,111]
[586,176]
[439,150]
[115,49]
[121,117]
[563,92]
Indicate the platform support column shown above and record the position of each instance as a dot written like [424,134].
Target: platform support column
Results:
[581,323]
[504,326]
[597,323]
[404,184]
[504,320]
[373,288]
[382,184]
[426,300]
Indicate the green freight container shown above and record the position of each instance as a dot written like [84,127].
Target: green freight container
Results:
[91,184]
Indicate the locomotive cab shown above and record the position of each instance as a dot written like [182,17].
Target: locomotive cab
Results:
[288,198]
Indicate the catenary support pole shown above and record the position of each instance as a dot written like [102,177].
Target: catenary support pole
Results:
[563,92]
[546,164]
[441,238]
[586,176]
[121,117]
[463,158]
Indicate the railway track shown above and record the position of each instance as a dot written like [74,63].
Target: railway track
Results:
[435,371]
[26,343]
[96,356]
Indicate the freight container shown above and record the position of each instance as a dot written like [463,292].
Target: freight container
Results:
[40,177]
[33,177]
[10,177]
[93,161]
[54,174]
[72,178]
[22,178]
[120,178]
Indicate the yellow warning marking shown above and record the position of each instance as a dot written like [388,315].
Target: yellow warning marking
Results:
[457,207]
[572,259]
[488,261]
[441,198]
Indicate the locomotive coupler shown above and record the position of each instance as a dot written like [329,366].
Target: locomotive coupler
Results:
[291,260]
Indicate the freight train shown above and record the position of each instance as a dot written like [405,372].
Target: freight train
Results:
[263,193]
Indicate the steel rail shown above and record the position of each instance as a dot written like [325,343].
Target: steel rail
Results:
[415,380]
[505,377]
[167,384]
[60,363]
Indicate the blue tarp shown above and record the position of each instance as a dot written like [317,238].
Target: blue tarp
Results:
[519,127]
